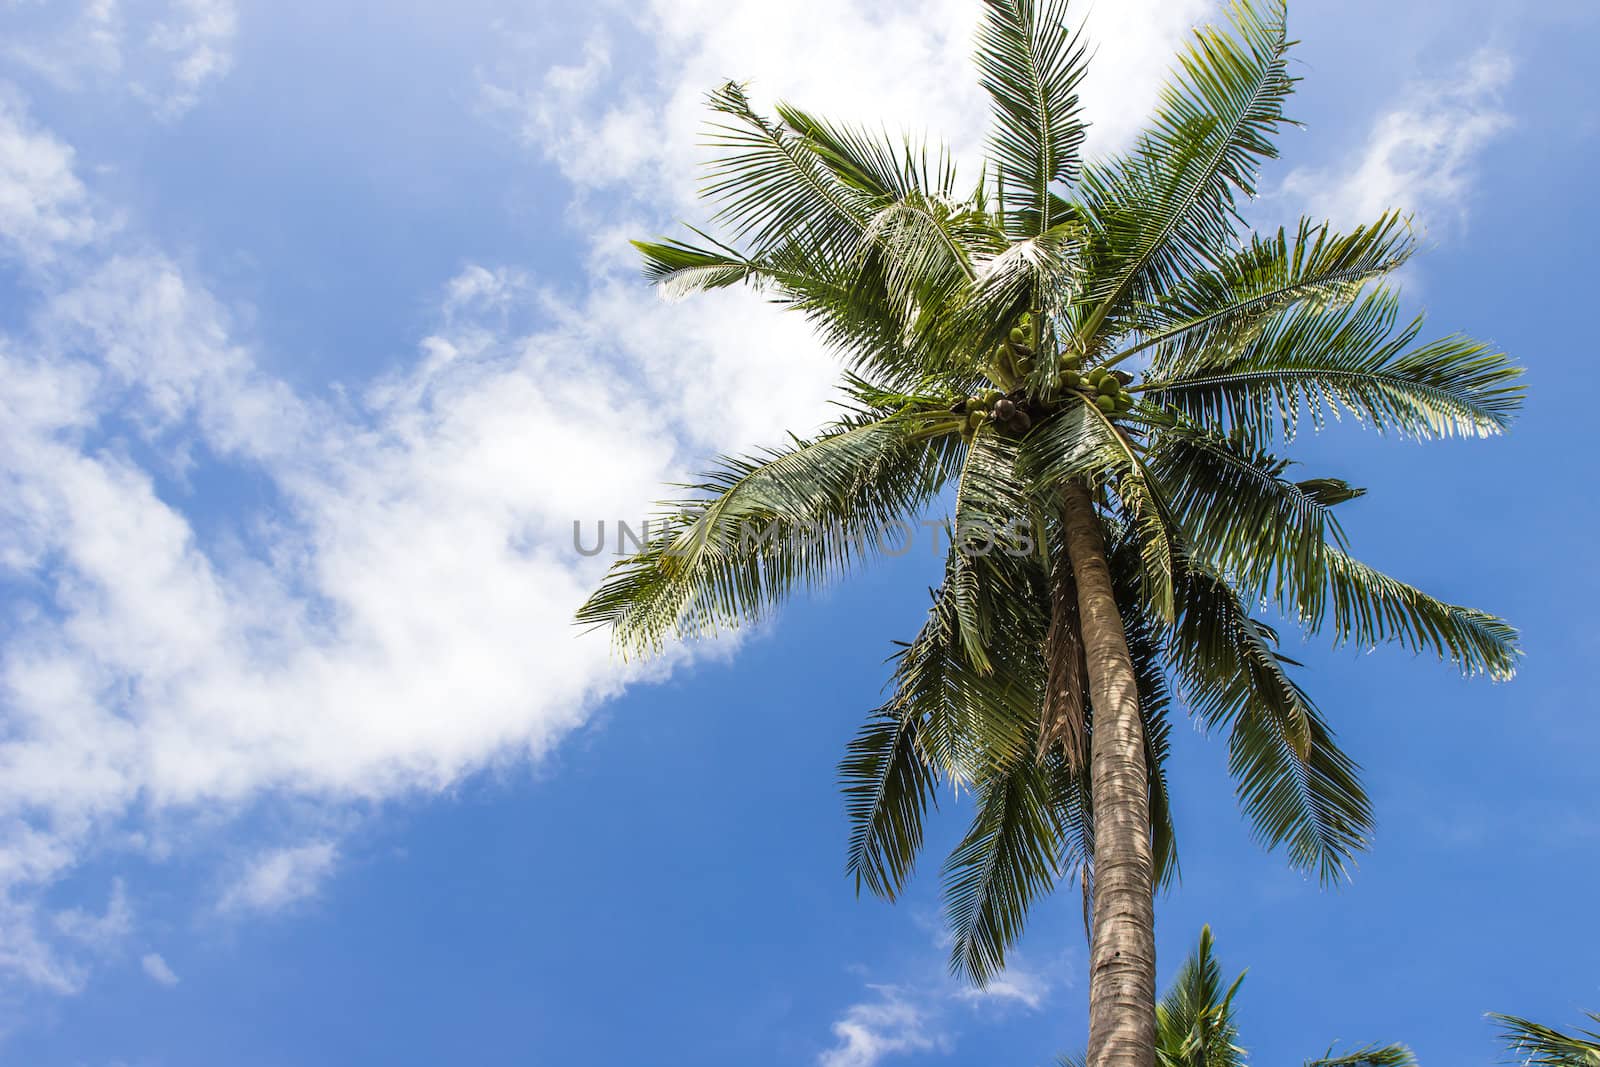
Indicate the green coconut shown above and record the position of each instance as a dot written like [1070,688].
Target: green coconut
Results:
[974,420]
[1107,404]
[1019,336]
[1071,379]
[1109,386]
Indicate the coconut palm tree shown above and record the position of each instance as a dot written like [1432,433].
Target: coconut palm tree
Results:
[1095,371]
[1195,1024]
[1535,1044]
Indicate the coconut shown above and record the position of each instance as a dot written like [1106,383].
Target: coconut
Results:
[1095,377]
[1106,404]
[974,420]
[1109,386]
[1071,379]
[1003,409]
[1019,336]
[1019,423]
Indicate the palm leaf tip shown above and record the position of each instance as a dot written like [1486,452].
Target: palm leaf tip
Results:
[1537,1044]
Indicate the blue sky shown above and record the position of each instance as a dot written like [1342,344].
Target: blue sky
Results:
[317,331]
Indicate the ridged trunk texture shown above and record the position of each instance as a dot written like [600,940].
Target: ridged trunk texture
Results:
[1122,951]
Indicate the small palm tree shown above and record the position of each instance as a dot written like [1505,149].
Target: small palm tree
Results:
[1195,1024]
[1535,1044]
[1094,370]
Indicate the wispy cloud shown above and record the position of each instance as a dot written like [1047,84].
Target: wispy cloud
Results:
[163,52]
[887,1025]
[43,204]
[1014,986]
[276,879]
[157,969]
[1419,155]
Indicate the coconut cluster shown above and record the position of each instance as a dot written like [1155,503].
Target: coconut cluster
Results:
[1012,365]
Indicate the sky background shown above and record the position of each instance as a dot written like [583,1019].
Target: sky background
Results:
[318,329]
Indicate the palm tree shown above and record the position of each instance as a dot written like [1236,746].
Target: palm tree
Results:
[1095,371]
[1195,1024]
[1536,1044]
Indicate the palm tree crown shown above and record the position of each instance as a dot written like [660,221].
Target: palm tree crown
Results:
[1065,331]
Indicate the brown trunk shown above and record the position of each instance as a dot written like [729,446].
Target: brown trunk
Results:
[1122,951]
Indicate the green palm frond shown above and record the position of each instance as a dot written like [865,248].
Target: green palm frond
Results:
[1369,1056]
[1008,857]
[1535,1044]
[1166,210]
[1031,68]
[1242,515]
[888,788]
[1212,314]
[1150,670]
[944,721]
[1314,361]
[773,187]
[1370,608]
[759,528]
[1295,784]
[990,529]
[869,162]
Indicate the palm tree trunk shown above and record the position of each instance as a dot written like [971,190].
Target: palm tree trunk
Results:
[1122,951]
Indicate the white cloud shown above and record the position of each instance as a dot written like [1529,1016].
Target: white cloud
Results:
[1014,986]
[888,1025]
[396,618]
[161,51]
[276,879]
[1418,155]
[42,202]
[158,969]
[905,65]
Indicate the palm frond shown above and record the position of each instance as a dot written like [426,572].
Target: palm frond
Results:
[1213,314]
[1369,608]
[1167,209]
[1242,515]
[1369,1056]
[1534,1043]
[1031,67]
[758,528]
[1311,362]
[773,186]
[888,788]
[1007,858]
[1295,784]
[869,162]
